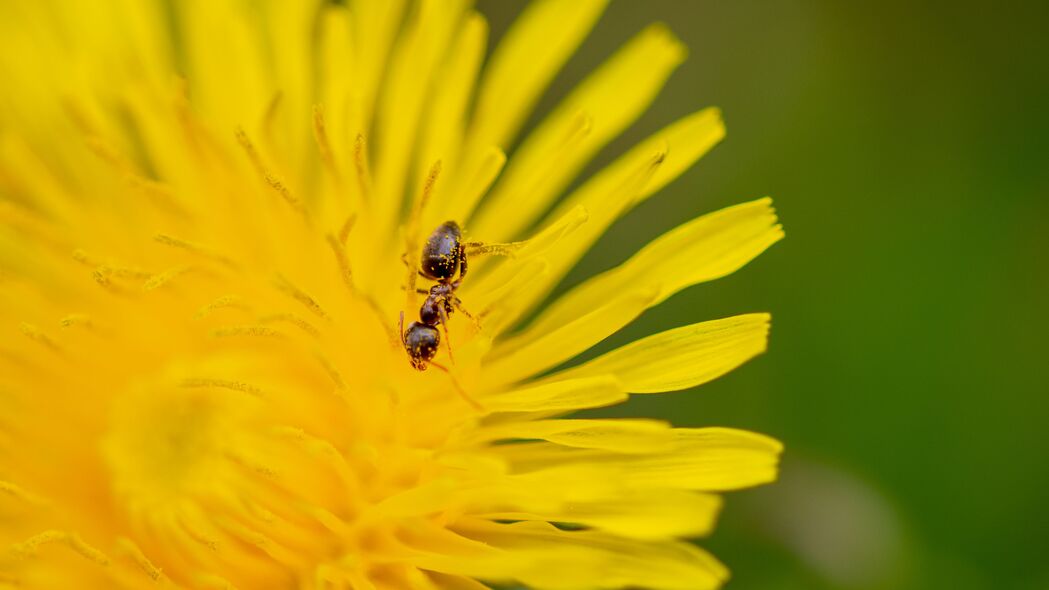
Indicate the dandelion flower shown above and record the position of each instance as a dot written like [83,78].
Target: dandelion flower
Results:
[207,207]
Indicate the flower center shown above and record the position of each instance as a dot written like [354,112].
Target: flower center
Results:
[212,481]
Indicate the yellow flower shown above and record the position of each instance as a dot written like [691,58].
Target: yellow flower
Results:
[205,207]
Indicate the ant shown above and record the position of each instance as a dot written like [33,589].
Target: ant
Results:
[443,260]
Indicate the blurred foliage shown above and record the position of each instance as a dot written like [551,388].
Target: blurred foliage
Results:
[905,144]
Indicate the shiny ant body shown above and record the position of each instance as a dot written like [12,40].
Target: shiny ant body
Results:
[443,260]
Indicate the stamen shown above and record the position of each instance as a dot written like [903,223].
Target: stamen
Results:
[333,373]
[226,301]
[29,547]
[84,258]
[183,524]
[412,232]
[195,249]
[159,280]
[251,465]
[271,180]
[36,334]
[360,161]
[76,319]
[270,116]
[508,249]
[22,494]
[379,311]
[102,277]
[293,320]
[284,286]
[261,541]
[431,180]
[343,261]
[127,547]
[326,449]
[344,231]
[198,382]
[122,272]
[160,194]
[320,135]
[248,330]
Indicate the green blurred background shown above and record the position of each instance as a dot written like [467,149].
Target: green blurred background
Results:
[905,144]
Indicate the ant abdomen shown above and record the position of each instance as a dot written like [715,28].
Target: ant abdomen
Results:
[443,254]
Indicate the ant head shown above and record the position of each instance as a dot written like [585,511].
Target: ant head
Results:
[421,342]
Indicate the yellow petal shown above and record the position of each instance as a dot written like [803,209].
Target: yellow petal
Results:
[223,52]
[444,120]
[525,62]
[540,555]
[568,233]
[633,76]
[563,395]
[704,249]
[501,289]
[644,514]
[680,358]
[682,143]
[521,358]
[709,459]
[374,27]
[703,459]
[412,69]
[340,107]
[624,436]
[466,191]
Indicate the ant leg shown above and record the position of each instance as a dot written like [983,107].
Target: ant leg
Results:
[459,388]
[401,331]
[444,325]
[422,291]
[459,306]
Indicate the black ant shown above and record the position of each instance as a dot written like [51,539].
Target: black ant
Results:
[443,260]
